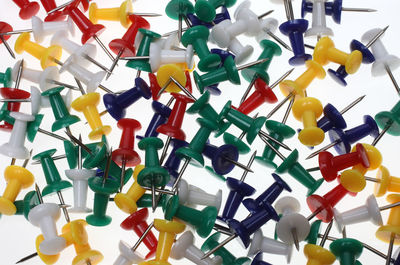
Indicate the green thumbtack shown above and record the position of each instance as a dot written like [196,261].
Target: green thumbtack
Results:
[278,131]
[60,110]
[203,221]
[198,37]
[175,9]
[227,257]
[314,231]
[193,152]
[297,171]
[101,196]
[205,9]
[347,250]
[146,201]
[270,49]
[6,78]
[251,126]
[205,110]
[143,50]
[228,71]
[53,178]
[24,206]
[242,147]
[153,175]
[71,152]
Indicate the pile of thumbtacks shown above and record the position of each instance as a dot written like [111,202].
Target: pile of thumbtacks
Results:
[118,177]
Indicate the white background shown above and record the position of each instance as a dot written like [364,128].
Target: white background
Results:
[18,235]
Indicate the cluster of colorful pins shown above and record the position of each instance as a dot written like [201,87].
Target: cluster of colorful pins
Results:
[95,169]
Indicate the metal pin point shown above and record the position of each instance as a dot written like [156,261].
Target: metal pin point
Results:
[324,237]
[287,112]
[376,37]
[56,136]
[164,87]
[288,9]
[93,61]
[80,153]
[179,28]
[10,51]
[60,7]
[114,64]
[39,193]
[248,89]
[153,197]
[354,9]
[64,209]
[390,249]
[16,32]
[144,57]
[293,231]
[96,38]
[173,32]
[15,100]
[13,161]
[37,162]
[135,247]
[145,14]
[123,169]
[381,134]
[165,149]
[19,74]
[389,72]
[187,92]
[251,160]
[223,243]
[179,177]
[324,148]
[26,161]
[278,40]
[344,232]
[61,84]
[169,103]
[277,107]
[238,164]
[352,104]
[309,46]
[262,133]
[389,206]
[162,191]
[265,14]
[107,169]
[273,148]
[244,66]
[75,140]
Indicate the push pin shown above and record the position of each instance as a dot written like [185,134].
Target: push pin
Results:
[263,244]
[322,206]
[88,29]
[244,229]
[5,27]
[153,175]
[17,178]
[333,118]
[219,17]
[53,179]
[229,72]
[42,29]
[205,9]
[197,37]
[292,227]
[160,116]
[384,62]
[227,257]
[6,77]
[15,147]
[184,248]
[165,76]
[83,54]
[103,188]
[318,27]
[251,126]
[143,50]
[294,29]
[87,104]
[27,9]
[193,196]
[347,250]
[46,56]
[137,223]
[179,10]
[342,140]
[127,255]
[120,13]
[125,47]
[317,253]
[268,196]
[202,221]
[173,162]
[168,230]
[299,86]
[45,216]
[388,121]
[125,155]
[80,179]
[262,94]
[238,191]
[384,182]
[57,15]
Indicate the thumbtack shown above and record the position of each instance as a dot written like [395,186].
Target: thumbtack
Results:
[60,7]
